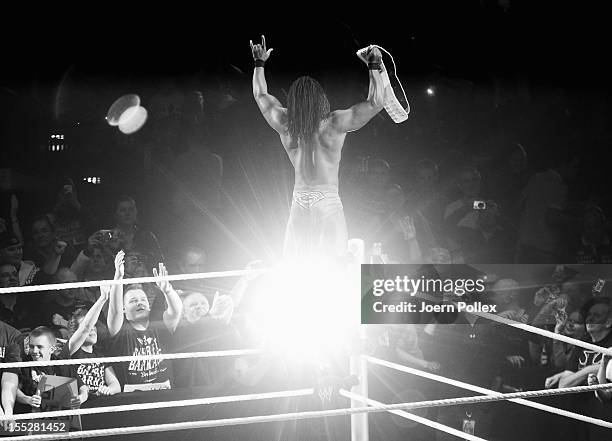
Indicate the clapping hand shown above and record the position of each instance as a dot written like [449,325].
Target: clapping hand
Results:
[120,264]
[259,50]
[222,308]
[164,285]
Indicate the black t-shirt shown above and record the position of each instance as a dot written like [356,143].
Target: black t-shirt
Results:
[11,342]
[207,334]
[585,357]
[29,378]
[91,374]
[149,374]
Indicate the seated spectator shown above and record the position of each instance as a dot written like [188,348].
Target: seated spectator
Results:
[461,212]
[593,245]
[47,251]
[584,361]
[203,329]
[131,237]
[54,309]
[8,279]
[98,377]
[191,260]
[70,218]
[11,252]
[138,333]
[490,241]
[11,344]
[403,230]
[42,343]
[572,325]
[407,350]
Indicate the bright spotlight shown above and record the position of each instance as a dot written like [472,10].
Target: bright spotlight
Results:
[431,91]
[307,312]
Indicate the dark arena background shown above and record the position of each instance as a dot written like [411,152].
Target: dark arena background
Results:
[501,169]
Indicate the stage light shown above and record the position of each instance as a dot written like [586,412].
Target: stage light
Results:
[431,91]
[307,312]
[96,180]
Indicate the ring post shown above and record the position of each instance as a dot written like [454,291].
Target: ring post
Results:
[359,368]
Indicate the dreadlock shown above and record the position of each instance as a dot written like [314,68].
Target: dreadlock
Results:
[307,105]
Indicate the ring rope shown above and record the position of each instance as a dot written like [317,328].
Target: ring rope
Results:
[482,390]
[532,329]
[159,405]
[316,414]
[126,358]
[149,279]
[413,417]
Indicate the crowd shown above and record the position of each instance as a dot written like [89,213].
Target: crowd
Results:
[435,214]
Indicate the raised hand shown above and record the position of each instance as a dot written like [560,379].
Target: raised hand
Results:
[373,55]
[14,206]
[94,241]
[59,247]
[120,264]
[259,50]
[222,308]
[164,285]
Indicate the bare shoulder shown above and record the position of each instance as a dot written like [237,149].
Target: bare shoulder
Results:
[335,119]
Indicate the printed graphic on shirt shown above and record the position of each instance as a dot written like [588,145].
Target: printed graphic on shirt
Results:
[145,371]
[92,375]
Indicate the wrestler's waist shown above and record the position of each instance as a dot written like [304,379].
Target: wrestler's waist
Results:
[328,189]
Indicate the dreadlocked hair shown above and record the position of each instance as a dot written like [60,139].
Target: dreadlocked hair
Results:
[307,106]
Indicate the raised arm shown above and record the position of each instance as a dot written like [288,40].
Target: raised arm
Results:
[172,314]
[114,321]
[89,321]
[358,116]
[271,108]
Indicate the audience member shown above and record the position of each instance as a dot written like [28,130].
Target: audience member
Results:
[11,252]
[70,218]
[42,343]
[403,231]
[593,245]
[137,333]
[100,378]
[11,343]
[205,328]
[130,237]
[47,251]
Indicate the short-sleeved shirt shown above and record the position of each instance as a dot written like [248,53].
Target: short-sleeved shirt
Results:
[585,357]
[11,341]
[29,378]
[143,374]
[91,374]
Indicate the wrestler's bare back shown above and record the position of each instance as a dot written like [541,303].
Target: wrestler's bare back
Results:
[326,150]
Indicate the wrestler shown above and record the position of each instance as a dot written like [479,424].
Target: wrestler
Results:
[313,138]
